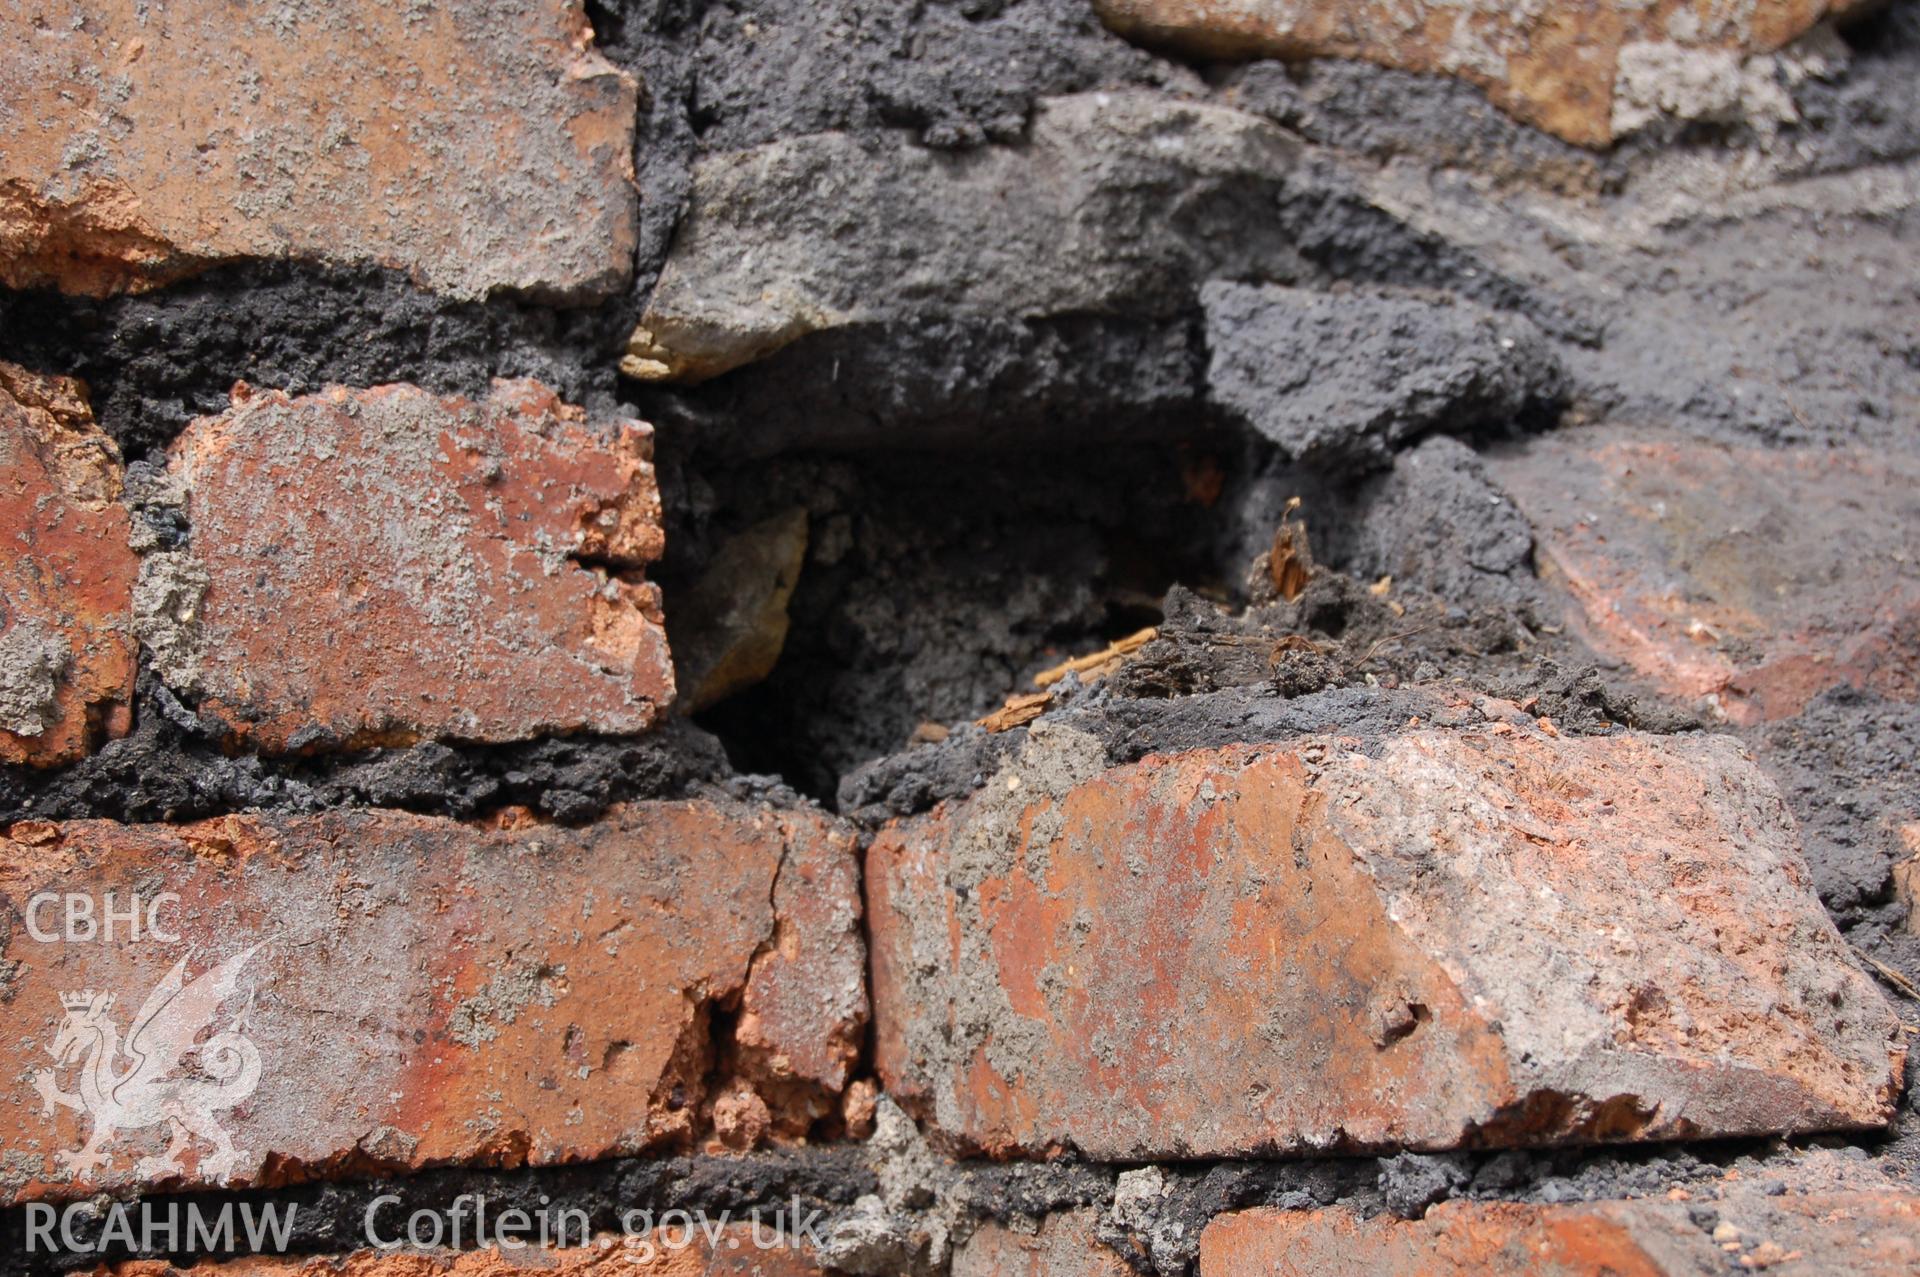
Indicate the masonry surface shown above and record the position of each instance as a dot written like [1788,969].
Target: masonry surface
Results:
[988,636]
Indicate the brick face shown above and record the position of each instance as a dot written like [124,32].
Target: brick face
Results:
[1871,1234]
[418,991]
[1480,937]
[662,1255]
[804,1011]
[475,146]
[1749,579]
[1554,65]
[66,575]
[383,565]
[1063,1245]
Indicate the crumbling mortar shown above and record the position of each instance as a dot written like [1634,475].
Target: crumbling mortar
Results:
[174,766]
[155,361]
[893,1204]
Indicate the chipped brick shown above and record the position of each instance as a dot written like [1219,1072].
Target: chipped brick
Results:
[1871,1234]
[66,575]
[1583,71]
[416,991]
[1483,937]
[477,146]
[1750,579]
[379,566]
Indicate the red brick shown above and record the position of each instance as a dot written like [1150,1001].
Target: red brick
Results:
[428,992]
[384,565]
[657,1255]
[1555,65]
[1749,578]
[1063,1246]
[1869,1234]
[1478,937]
[803,1017]
[66,575]
[475,146]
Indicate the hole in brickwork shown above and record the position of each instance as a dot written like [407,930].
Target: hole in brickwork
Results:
[932,585]
[1883,29]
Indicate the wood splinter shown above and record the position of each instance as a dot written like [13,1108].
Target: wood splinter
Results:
[1097,664]
[1290,561]
[1018,711]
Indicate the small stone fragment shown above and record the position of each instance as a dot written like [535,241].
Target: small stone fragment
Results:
[731,625]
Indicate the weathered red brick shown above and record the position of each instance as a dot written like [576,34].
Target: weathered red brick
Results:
[1869,1234]
[424,992]
[384,565]
[66,575]
[1481,936]
[737,1252]
[803,1015]
[477,146]
[1063,1246]
[1751,578]
[1566,67]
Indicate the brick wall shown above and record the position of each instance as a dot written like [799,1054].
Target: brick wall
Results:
[1041,637]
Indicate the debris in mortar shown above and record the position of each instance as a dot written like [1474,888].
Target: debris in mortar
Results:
[1097,664]
[1019,710]
[1386,639]
[1435,522]
[1411,1182]
[1212,674]
[1892,977]
[922,1207]
[1906,877]
[1290,561]
[932,590]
